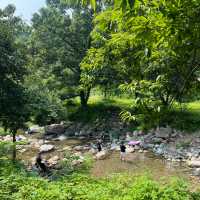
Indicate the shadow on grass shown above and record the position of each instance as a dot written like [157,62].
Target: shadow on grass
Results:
[185,120]
[99,111]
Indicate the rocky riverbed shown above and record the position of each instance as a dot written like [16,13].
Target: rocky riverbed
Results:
[174,147]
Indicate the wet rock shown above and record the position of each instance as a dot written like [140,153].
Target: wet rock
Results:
[53,161]
[159,149]
[78,154]
[8,138]
[157,140]
[194,163]
[55,129]
[86,148]
[130,150]
[35,145]
[196,172]
[20,138]
[68,148]
[92,151]
[78,161]
[141,151]
[164,133]
[137,147]
[46,148]
[47,142]
[40,142]
[78,148]
[143,145]
[102,155]
[35,129]
[60,138]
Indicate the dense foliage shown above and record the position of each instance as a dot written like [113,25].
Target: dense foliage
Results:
[147,50]
[18,184]
[58,44]
[150,51]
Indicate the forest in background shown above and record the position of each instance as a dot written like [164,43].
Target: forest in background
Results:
[79,58]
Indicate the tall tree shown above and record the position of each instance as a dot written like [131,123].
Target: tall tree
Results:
[152,49]
[60,39]
[13,96]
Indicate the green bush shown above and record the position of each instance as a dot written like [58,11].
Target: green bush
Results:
[17,184]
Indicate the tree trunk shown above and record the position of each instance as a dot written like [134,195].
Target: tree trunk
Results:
[84,96]
[14,151]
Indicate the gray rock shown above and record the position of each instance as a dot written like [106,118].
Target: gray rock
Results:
[35,129]
[157,140]
[46,148]
[61,138]
[130,150]
[196,172]
[163,133]
[78,148]
[53,161]
[102,155]
[7,138]
[194,163]
[56,129]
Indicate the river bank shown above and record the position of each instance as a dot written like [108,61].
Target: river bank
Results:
[162,152]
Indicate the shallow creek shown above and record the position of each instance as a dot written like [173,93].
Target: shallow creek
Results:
[137,164]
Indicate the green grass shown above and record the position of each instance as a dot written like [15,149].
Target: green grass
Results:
[98,108]
[183,117]
[186,116]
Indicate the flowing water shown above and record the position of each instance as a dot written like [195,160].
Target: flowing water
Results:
[136,164]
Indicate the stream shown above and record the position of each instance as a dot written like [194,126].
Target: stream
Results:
[136,164]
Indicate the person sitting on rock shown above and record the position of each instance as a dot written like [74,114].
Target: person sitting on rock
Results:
[122,151]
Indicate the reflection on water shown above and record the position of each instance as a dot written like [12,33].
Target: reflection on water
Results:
[140,164]
[136,164]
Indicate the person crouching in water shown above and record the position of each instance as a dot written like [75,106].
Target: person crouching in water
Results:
[40,165]
[122,152]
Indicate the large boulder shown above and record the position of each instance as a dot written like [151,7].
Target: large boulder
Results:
[196,172]
[46,148]
[78,148]
[194,163]
[163,133]
[102,155]
[55,129]
[8,138]
[35,129]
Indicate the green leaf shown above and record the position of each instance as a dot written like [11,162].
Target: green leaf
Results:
[93,4]
[131,3]
[124,5]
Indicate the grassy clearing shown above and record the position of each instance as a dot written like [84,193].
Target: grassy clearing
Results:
[183,117]
[186,116]
[98,108]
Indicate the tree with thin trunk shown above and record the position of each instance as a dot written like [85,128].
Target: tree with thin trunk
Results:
[13,96]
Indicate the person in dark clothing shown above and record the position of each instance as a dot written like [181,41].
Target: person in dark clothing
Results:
[122,151]
[99,147]
[40,164]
